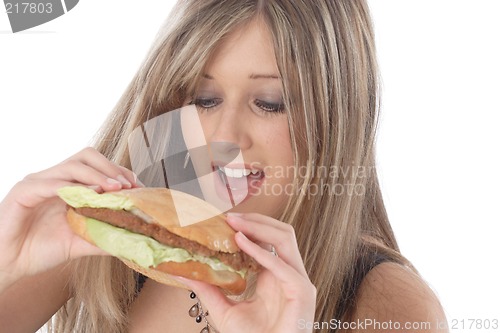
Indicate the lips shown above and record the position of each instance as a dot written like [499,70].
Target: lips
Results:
[239,182]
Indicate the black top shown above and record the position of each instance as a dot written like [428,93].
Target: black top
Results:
[364,265]
[139,282]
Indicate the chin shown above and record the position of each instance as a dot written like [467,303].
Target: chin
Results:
[266,205]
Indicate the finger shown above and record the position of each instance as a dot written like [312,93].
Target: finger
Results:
[91,168]
[80,248]
[30,193]
[284,272]
[211,297]
[277,234]
[77,172]
[95,159]
[131,177]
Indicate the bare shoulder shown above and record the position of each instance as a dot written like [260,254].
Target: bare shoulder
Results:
[392,293]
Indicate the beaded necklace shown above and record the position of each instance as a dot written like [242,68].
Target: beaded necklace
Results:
[197,312]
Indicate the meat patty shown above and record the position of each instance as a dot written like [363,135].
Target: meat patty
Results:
[126,220]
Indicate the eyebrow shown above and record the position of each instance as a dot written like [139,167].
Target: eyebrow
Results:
[263,76]
[251,76]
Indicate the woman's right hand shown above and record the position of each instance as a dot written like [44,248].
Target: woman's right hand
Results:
[34,234]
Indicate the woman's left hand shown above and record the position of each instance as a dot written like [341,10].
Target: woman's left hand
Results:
[285,298]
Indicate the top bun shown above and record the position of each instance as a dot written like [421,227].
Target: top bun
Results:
[184,215]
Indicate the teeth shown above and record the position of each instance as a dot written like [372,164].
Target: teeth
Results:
[238,173]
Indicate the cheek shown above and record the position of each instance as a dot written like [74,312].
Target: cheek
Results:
[280,154]
[281,146]
[207,125]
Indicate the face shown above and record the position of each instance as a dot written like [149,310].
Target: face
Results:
[240,107]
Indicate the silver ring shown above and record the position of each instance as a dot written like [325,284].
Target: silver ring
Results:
[273,251]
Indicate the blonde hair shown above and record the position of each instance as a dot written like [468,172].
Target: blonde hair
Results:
[326,57]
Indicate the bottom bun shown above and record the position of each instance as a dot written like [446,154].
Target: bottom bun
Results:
[154,274]
[230,282]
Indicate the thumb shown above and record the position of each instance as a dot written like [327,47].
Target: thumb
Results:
[82,248]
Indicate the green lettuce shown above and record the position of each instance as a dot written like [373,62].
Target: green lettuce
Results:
[80,196]
[143,250]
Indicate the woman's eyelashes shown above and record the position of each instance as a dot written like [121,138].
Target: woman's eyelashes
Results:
[207,103]
[267,107]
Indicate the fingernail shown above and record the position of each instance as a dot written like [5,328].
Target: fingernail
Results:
[96,188]
[181,280]
[124,181]
[235,217]
[112,181]
[242,235]
[139,183]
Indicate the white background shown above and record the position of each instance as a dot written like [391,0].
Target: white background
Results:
[437,144]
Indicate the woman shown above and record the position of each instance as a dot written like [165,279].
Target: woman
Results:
[294,85]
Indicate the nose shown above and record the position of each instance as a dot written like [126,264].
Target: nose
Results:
[227,132]
[224,152]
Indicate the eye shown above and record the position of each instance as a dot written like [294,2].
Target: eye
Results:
[206,103]
[270,107]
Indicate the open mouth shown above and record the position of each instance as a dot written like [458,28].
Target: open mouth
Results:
[227,175]
[238,182]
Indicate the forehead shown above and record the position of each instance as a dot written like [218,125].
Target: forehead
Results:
[247,49]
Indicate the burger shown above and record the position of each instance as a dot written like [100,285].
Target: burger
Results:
[160,232]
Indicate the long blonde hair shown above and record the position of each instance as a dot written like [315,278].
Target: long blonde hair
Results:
[326,58]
